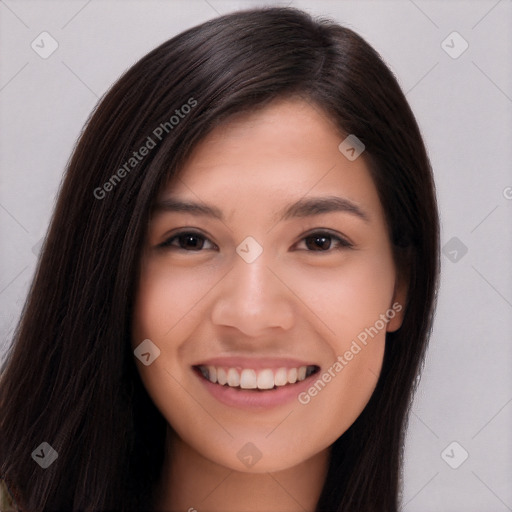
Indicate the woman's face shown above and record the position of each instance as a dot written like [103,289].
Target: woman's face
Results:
[267,265]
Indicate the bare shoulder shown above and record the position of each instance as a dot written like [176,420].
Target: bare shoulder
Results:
[7,502]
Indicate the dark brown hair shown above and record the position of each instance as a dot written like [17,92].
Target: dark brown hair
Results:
[70,378]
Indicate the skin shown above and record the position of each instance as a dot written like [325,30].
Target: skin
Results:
[292,301]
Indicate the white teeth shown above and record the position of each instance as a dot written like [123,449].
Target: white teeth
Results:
[250,379]
[222,378]
[233,378]
[280,377]
[292,375]
[266,379]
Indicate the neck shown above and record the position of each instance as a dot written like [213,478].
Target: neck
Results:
[190,482]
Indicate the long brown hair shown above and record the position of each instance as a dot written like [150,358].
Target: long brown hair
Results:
[69,378]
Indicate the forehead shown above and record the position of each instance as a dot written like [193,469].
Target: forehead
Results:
[283,152]
[284,130]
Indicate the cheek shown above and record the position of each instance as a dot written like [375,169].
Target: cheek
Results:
[167,300]
[166,311]
[351,297]
[351,303]
[366,290]
[343,389]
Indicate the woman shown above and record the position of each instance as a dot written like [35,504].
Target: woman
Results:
[237,288]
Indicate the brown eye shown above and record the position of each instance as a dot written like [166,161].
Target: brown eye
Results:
[187,241]
[325,242]
[318,243]
[191,242]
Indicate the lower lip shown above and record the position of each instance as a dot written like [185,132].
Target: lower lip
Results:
[253,399]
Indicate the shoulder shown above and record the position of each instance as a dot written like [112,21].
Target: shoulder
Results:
[7,503]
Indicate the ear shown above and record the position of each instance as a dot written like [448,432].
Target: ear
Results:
[398,305]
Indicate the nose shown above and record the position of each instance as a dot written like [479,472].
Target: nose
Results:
[253,299]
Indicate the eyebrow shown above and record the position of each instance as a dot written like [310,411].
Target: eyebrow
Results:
[305,207]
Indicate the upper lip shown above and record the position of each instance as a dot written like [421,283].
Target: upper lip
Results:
[253,363]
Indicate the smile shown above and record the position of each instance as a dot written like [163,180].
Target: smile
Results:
[260,380]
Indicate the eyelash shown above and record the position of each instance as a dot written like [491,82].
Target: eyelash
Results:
[343,243]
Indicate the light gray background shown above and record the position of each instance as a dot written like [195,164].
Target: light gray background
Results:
[464,108]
